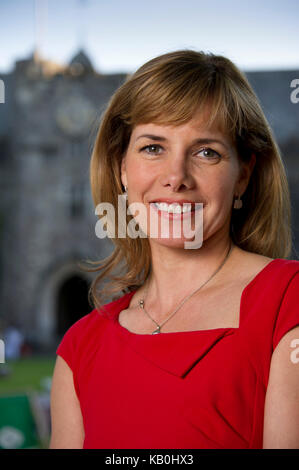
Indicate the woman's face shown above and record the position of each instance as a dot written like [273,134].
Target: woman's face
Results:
[184,163]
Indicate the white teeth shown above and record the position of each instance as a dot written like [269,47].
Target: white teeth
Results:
[162,206]
[172,208]
[187,208]
[176,209]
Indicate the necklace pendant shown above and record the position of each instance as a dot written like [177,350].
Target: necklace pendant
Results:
[157,330]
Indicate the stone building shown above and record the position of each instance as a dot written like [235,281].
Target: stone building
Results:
[48,124]
[47,220]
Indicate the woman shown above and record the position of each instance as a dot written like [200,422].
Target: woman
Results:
[199,349]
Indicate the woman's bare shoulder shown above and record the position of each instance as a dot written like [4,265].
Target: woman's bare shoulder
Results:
[251,259]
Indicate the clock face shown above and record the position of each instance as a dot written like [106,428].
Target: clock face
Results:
[75,115]
[25,95]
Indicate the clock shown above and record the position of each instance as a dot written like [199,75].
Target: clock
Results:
[75,115]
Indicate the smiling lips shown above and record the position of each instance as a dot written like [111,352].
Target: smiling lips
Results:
[174,209]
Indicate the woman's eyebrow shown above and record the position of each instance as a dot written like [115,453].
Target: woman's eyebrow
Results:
[152,136]
[206,140]
[203,140]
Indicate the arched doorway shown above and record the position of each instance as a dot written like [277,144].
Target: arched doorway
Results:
[72,303]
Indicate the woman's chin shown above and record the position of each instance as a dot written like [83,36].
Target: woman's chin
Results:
[171,242]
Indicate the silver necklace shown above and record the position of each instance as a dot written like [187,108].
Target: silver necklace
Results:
[142,301]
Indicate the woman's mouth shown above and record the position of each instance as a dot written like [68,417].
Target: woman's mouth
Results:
[174,210]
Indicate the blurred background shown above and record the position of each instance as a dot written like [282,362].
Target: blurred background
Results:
[60,62]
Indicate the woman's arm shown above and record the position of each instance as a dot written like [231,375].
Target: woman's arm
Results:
[281,418]
[66,417]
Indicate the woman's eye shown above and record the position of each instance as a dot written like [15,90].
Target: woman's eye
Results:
[208,153]
[152,149]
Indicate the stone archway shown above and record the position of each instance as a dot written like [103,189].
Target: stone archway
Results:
[56,291]
[71,302]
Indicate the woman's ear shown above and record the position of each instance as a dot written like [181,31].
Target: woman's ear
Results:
[252,162]
[123,173]
[245,173]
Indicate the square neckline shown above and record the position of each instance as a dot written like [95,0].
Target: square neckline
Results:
[226,330]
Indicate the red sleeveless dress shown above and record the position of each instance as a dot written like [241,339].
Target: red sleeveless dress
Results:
[189,390]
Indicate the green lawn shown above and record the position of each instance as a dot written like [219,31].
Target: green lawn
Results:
[26,374]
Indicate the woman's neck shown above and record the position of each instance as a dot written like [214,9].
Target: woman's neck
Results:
[176,273]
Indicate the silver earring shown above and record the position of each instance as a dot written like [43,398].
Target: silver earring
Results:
[125,193]
[238,203]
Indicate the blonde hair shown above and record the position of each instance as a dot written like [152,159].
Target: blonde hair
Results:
[170,89]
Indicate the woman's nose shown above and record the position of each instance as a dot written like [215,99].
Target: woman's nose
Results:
[176,173]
